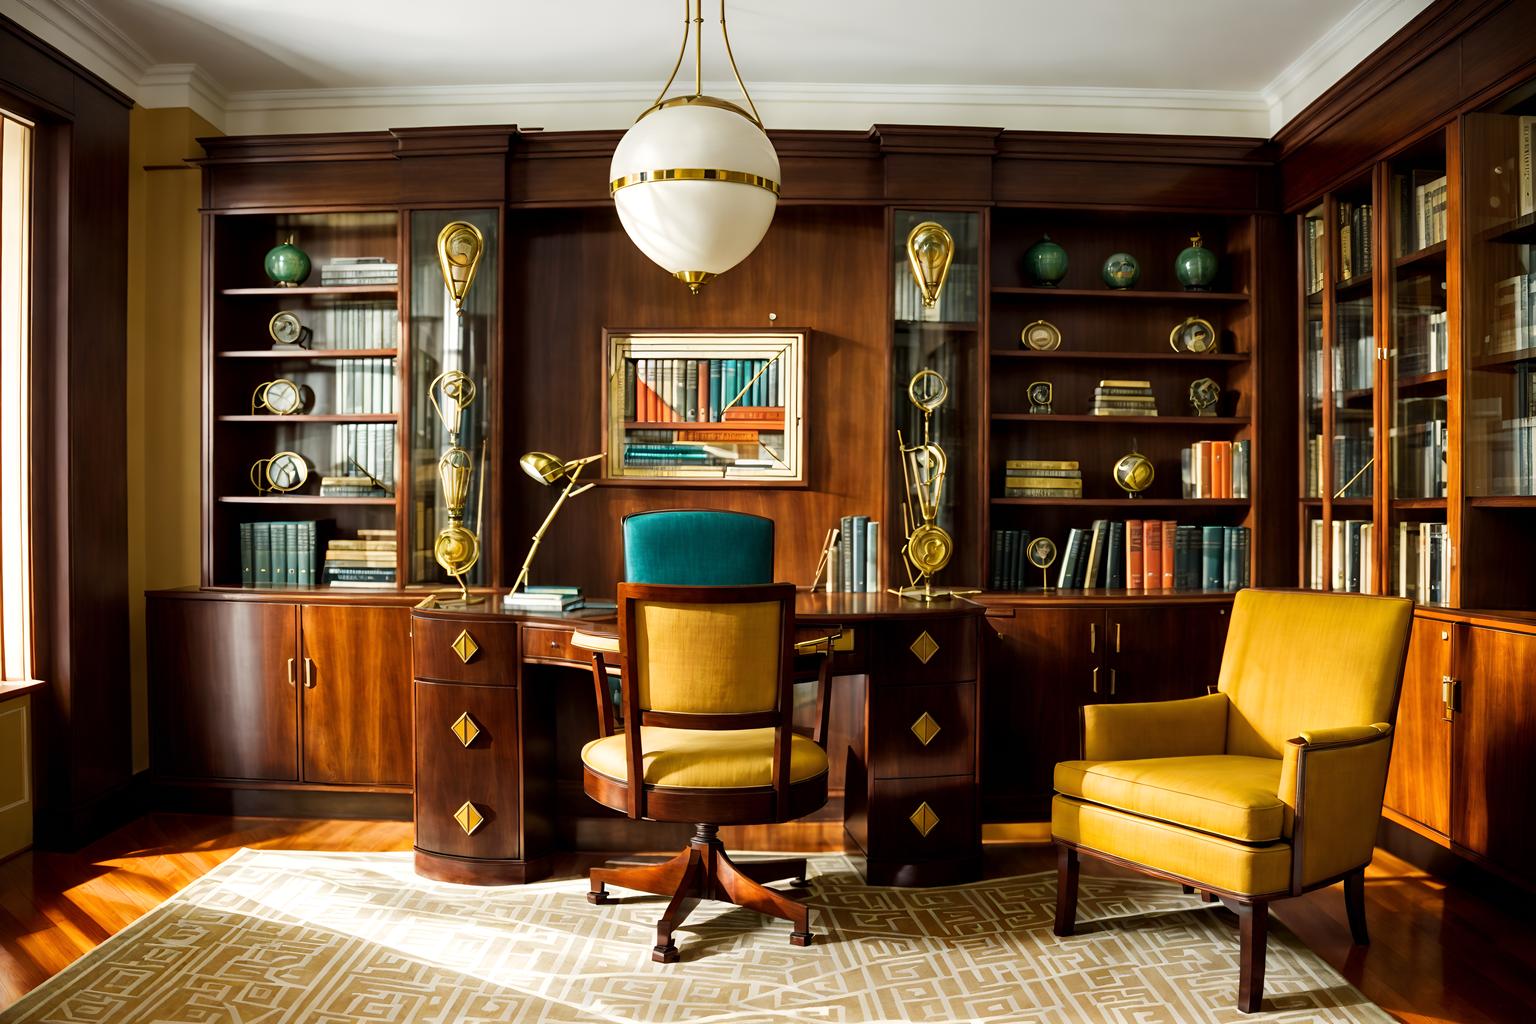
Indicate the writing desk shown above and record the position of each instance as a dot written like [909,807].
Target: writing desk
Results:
[486,806]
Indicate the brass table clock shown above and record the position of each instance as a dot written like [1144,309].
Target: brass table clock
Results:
[1041,554]
[284,472]
[280,397]
[929,546]
[457,548]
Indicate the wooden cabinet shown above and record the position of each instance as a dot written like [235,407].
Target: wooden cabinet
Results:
[285,692]
[1494,752]
[1419,781]
[356,678]
[223,689]
[1045,662]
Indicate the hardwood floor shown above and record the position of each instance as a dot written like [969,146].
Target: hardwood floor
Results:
[1438,953]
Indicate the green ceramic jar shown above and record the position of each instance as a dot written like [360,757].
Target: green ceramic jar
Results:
[1196,266]
[287,264]
[1121,271]
[1046,262]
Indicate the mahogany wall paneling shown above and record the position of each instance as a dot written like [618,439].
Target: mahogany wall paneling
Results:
[474,159]
[223,686]
[79,492]
[925,165]
[1271,378]
[824,267]
[358,170]
[487,772]
[1419,781]
[1162,652]
[1494,750]
[356,680]
[1040,671]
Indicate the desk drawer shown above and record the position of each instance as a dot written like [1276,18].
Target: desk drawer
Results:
[484,773]
[438,653]
[922,818]
[553,644]
[902,717]
[924,650]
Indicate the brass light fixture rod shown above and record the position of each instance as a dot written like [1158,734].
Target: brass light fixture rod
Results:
[693,23]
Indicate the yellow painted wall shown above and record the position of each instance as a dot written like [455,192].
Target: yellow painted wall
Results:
[15,775]
[164,371]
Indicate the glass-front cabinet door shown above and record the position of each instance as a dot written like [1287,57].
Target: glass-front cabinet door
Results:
[452,331]
[1314,389]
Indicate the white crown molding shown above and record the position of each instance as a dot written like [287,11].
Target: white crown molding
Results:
[183,85]
[1329,59]
[83,34]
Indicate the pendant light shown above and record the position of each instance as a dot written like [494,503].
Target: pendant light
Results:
[695,180]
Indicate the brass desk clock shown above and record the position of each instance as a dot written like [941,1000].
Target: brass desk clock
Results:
[457,548]
[929,546]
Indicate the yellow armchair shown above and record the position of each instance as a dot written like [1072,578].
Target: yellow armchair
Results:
[1265,789]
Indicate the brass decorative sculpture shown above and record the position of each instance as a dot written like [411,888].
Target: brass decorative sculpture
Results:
[930,250]
[546,469]
[1042,553]
[923,467]
[459,247]
[457,548]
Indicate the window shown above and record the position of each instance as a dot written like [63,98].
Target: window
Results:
[15,406]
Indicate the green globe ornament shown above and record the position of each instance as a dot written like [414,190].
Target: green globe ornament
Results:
[287,264]
[1121,271]
[1046,262]
[1195,267]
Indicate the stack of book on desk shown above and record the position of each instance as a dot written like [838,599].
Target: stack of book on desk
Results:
[364,562]
[553,600]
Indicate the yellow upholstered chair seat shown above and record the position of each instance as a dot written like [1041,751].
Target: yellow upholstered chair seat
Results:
[703,759]
[1235,797]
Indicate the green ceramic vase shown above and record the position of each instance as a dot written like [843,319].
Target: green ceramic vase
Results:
[1121,271]
[1196,266]
[1046,262]
[287,264]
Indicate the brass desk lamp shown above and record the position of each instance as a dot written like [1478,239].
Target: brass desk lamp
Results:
[547,469]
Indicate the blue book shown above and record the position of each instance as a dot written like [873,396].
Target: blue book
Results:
[1229,573]
[845,553]
[291,553]
[279,559]
[247,557]
[715,401]
[691,390]
[860,553]
[261,545]
[760,389]
[679,389]
[1210,557]
[728,385]
[1114,569]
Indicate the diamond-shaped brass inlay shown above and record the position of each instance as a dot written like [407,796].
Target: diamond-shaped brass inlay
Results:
[465,647]
[924,647]
[470,818]
[465,728]
[925,729]
[923,819]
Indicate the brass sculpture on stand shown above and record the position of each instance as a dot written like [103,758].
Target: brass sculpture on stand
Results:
[930,250]
[457,548]
[459,247]
[547,469]
[928,546]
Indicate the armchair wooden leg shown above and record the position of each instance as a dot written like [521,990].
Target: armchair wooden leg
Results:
[744,891]
[657,879]
[689,890]
[1354,904]
[1066,890]
[1253,921]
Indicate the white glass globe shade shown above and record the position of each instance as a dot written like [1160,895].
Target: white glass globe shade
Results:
[695,228]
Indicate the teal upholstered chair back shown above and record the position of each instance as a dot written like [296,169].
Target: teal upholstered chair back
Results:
[698,548]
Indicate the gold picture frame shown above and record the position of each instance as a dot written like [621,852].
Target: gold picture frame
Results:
[705,408]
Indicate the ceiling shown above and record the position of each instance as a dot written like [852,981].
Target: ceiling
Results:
[1236,56]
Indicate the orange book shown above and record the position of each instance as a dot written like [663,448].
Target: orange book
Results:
[1152,554]
[1133,559]
[1170,533]
[1221,469]
[1205,470]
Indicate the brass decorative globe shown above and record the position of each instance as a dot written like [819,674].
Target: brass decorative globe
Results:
[1134,473]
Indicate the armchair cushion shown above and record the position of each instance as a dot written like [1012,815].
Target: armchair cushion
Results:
[1170,728]
[705,758]
[1235,797]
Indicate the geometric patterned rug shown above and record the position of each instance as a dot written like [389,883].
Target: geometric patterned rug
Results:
[283,937]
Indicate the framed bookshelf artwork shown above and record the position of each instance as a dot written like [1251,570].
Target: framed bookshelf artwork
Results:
[705,408]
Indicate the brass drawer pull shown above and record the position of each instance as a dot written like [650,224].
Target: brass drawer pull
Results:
[469,818]
[1095,679]
[1093,638]
[464,646]
[923,819]
[925,728]
[309,674]
[291,681]
[465,728]
[924,647]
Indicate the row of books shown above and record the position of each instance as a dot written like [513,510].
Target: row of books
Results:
[352,325]
[1042,478]
[1421,199]
[553,600]
[365,449]
[1011,567]
[854,566]
[1313,267]
[1526,141]
[364,562]
[1418,464]
[1514,315]
[1354,355]
[706,453]
[1424,562]
[1141,555]
[1123,398]
[957,301]
[1354,446]
[1354,240]
[1313,485]
[1424,341]
[345,270]
[700,390]
[279,554]
[1216,469]
[1351,551]
[364,386]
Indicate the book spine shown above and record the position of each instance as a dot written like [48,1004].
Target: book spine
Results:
[247,557]
[1095,552]
[872,557]
[715,385]
[1229,577]
[1152,554]
[995,575]
[1021,569]
[1064,575]
[691,390]
[291,562]
[1114,577]
[279,557]
[860,553]
[1134,559]
[1210,557]
[846,542]
[1170,537]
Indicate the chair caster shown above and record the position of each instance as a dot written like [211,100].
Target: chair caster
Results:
[599,898]
[801,938]
[665,954]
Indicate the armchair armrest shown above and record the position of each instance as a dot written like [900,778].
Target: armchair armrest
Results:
[601,691]
[1332,782]
[594,642]
[1168,728]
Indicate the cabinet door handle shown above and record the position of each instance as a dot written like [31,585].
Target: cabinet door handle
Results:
[1111,682]
[290,673]
[309,674]
[1095,679]
[1117,638]
[1093,638]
